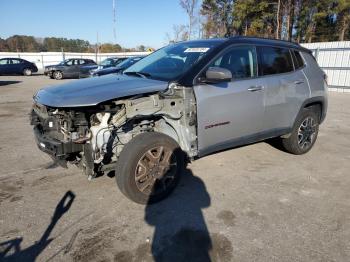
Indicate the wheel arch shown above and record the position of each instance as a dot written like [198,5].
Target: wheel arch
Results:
[319,103]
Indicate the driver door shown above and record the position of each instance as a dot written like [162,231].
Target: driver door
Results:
[4,66]
[71,68]
[230,113]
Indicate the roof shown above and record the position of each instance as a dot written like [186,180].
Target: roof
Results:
[252,40]
[267,41]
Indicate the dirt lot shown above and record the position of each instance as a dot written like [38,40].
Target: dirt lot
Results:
[253,203]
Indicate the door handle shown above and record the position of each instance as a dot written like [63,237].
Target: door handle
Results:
[255,88]
[298,82]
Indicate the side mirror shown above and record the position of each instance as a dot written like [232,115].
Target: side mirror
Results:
[218,74]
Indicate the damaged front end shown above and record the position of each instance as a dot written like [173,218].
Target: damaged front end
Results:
[93,137]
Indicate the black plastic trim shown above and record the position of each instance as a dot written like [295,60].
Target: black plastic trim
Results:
[315,100]
[54,147]
[245,140]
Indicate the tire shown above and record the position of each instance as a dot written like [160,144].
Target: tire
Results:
[143,173]
[27,72]
[304,133]
[57,75]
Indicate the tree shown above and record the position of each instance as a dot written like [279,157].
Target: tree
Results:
[189,6]
[110,48]
[22,43]
[141,48]
[315,20]
[68,45]
[219,18]
[256,18]
[343,17]
[179,33]
[3,46]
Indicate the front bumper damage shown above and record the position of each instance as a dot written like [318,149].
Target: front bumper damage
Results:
[55,148]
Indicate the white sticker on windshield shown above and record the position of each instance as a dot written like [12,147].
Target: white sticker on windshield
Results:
[197,50]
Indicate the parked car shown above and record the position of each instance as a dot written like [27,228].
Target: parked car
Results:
[69,68]
[117,69]
[9,66]
[86,71]
[184,101]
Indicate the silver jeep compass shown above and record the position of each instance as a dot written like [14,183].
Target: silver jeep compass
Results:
[182,102]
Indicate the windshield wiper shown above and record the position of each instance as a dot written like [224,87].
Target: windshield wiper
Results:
[141,74]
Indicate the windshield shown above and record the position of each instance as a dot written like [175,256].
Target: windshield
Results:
[128,62]
[66,62]
[172,61]
[107,62]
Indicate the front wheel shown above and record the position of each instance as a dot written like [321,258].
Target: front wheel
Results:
[57,75]
[149,167]
[304,133]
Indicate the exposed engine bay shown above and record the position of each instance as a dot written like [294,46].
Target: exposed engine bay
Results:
[93,137]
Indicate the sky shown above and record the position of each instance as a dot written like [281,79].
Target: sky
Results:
[137,21]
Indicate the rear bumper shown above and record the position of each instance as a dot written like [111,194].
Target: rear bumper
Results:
[55,148]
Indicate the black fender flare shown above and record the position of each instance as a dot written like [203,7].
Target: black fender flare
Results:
[312,101]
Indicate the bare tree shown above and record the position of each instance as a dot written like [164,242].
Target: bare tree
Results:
[179,33]
[190,6]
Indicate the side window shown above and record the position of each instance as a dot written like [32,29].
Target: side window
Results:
[15,61]
[70,62]
[3,62]
[274,60]
[81,61]
[241,61]
[298,60]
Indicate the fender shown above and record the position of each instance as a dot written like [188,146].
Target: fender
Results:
[315,100]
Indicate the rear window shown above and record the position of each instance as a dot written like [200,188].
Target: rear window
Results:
[298,60]
[274,60]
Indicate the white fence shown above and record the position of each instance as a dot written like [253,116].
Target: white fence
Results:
[43,59]
[334,59]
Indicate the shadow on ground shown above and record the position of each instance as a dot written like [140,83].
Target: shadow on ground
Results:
[5,83]
[11,250]
[180,230]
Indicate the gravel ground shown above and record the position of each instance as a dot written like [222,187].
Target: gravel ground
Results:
[253,203]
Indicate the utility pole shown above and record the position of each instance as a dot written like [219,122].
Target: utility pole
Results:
[114,22]
[97,47]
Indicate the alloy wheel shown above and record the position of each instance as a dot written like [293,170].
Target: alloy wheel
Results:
[307,132]
[155,171]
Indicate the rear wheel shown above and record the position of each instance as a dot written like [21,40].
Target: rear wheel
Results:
[57,75]
[27,72]
[304,133]
[149,167]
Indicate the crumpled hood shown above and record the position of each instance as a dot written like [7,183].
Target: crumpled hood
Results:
[92,91]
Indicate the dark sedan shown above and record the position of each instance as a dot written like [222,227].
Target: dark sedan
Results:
[86,71]
[20,66]
[117,69]
[69,68]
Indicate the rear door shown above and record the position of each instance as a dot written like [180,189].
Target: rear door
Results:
[230,113]
[81,64]
[285,88]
